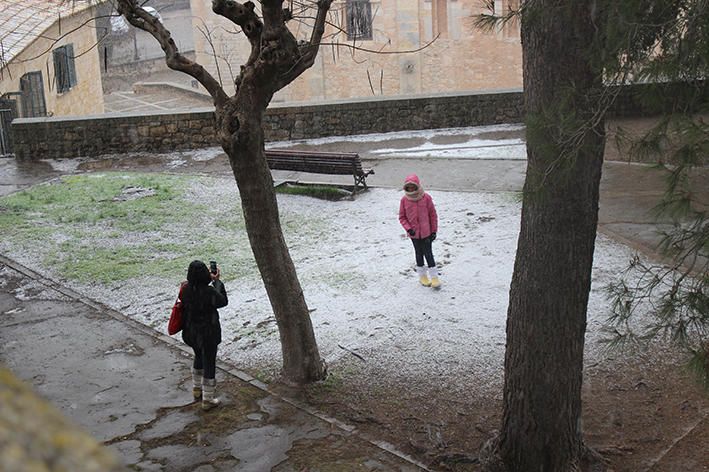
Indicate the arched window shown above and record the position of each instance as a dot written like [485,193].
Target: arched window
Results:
[439,10]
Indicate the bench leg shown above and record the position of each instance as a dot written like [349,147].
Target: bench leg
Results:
[359,181]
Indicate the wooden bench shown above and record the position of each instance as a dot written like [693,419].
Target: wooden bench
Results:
[337,163]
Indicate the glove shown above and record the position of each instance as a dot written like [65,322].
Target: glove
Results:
[433,237]
[411,231]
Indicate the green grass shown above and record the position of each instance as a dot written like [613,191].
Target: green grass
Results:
[78,227]
[90,200]
[324,192]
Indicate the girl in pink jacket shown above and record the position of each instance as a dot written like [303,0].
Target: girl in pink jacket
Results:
[417,214]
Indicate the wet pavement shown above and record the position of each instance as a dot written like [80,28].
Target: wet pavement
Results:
[129,386]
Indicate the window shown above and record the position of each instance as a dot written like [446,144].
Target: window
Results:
[32,95]
[510,28]
[64,70]
[439,10]
[359,19]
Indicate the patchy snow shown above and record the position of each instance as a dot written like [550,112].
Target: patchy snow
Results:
[423,143]
[357,273]
[30,290]
[206,154]
[63,165]
[471,149]
[426,134]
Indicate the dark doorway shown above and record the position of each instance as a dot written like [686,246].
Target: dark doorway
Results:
[32,90]
[8,111]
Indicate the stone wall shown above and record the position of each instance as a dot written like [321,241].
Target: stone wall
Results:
[44,138]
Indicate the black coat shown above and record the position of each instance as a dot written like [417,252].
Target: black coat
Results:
[200,318]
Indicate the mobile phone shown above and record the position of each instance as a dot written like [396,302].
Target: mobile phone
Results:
[213,267]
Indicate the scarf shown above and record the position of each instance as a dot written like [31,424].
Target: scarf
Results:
[414,195]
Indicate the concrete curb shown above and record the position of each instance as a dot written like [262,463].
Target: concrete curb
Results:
[224,367]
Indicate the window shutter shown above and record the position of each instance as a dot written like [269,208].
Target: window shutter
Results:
[358,15]
[64,68]
[59,64]
[71,68]
[366,16]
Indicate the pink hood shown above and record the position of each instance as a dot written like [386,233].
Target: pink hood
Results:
[418,214]
[412,179]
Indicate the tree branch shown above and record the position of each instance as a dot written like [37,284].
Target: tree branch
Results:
[245,17]
[143,20]
[309,51]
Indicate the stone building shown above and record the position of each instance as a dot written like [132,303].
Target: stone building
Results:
[359,59]
[129,55]
[60,57]
[49,63]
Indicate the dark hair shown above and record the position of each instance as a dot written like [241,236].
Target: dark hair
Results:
[198,274]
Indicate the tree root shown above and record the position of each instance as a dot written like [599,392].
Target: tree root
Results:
[489,456]
[589,460]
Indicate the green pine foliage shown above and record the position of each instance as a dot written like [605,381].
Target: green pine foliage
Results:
[663,45]
[669,52]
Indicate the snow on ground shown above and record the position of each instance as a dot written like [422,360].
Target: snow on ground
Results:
[471,149]
[356,268]
[477,146]
[426,134]
[494,142]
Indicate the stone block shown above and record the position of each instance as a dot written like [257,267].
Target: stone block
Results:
[157,131]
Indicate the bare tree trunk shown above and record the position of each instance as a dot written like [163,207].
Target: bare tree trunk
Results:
[276,60]
[301,359]
[546,319]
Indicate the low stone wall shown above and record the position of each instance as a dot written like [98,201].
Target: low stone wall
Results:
[43,138]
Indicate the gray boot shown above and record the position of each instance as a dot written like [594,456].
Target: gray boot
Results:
[197,383]
[209,389]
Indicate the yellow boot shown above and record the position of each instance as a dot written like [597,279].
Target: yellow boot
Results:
[423,278]
[433,272]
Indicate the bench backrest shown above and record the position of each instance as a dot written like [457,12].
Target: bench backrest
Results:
[343,163]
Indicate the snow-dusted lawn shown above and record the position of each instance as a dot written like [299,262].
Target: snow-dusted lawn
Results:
[356,268]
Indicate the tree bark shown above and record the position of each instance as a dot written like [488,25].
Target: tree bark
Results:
[245,148]
[276,59]
[546,319]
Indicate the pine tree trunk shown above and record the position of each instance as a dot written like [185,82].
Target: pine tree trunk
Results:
[245,148]
[546,318]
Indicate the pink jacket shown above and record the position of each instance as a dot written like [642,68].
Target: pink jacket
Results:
[420,215]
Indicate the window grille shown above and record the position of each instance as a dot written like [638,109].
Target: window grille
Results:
[359,19]
[32,95]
